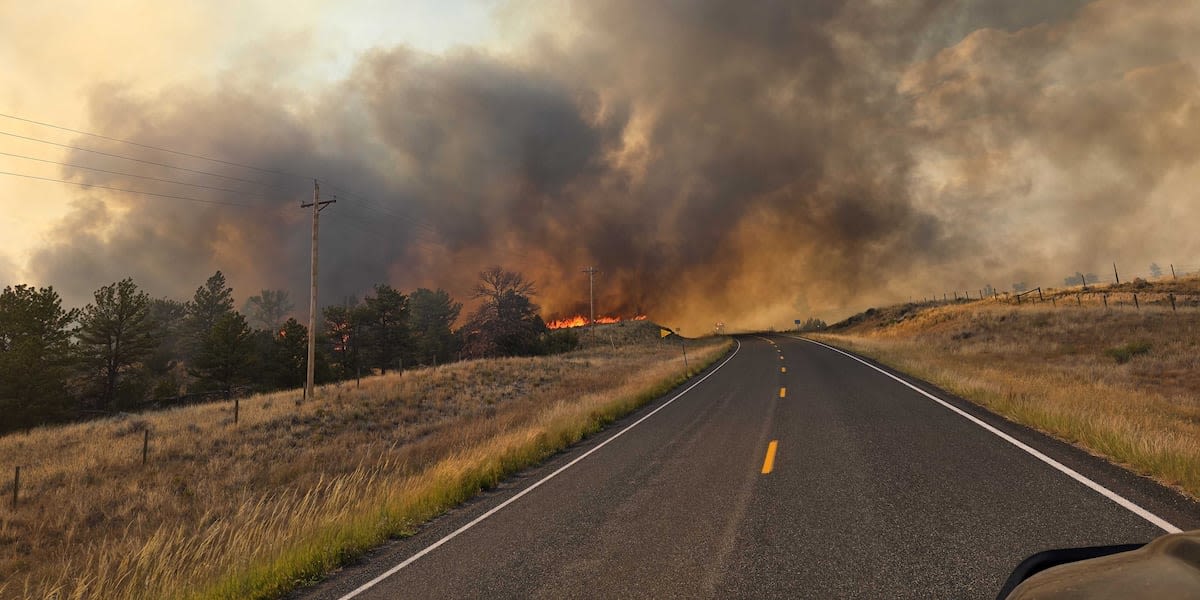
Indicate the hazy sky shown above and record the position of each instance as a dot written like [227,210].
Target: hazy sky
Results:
[750,163]
[53,54]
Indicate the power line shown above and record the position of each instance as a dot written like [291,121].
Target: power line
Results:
[115,189]
[123,174]
[260,169]
[148,162]
[158,148]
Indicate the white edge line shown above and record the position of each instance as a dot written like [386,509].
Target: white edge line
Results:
[1069,472]
[392,571]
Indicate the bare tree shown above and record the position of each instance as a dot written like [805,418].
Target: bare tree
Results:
[495,283]
[269,309]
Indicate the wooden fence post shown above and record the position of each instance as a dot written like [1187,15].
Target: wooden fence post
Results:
[16,485]
[1135,303]
[145,445]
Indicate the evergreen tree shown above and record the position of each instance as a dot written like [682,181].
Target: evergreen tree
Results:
[115,333]
[385,318]
[222,359]
[35,347]
[345,332]
[431,317]
[162,366]
[290,355]
[212,301]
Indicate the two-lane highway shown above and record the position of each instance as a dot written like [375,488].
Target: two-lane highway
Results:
[792,470]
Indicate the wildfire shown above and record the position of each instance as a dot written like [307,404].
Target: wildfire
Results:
[580,321]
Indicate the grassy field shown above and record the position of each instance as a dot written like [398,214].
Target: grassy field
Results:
[1119,381]
[295,489]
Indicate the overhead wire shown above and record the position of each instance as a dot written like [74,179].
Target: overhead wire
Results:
[128,191]
[367,202]
[158,148]
[123,174]
[362,201]
[139,160]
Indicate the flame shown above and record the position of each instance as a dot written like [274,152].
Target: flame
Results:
[580,321]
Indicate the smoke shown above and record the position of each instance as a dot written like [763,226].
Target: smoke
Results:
[718,161]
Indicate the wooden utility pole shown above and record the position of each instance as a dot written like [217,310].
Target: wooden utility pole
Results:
[317,204]
[591,271]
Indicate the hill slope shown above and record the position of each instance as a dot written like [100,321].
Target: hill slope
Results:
[294,489]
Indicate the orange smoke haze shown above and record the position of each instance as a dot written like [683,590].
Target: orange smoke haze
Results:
[749,163]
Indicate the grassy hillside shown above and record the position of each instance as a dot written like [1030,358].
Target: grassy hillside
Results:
[1121,381]
[294,489]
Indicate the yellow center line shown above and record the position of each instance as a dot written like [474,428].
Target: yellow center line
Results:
[769,462]
[782,392]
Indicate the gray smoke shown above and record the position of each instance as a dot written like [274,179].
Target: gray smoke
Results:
[744,162]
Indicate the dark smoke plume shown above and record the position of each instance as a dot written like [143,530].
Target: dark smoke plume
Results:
[744,162]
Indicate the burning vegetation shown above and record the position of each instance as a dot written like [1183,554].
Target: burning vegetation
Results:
[581,320]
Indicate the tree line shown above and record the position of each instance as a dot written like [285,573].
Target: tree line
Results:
[126,350]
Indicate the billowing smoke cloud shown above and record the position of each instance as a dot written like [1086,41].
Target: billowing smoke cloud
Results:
[744,162]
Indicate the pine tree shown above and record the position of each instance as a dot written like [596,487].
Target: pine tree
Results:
[212,301]
[222,358]
[35,348]
[116,333]
[385,317]
[431,317]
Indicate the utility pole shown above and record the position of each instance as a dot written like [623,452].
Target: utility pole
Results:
[591,271]
[317,204]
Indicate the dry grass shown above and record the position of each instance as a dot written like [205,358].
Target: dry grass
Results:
[296,489]
[1119,382]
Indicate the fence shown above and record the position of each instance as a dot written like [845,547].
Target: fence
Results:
[1118,289]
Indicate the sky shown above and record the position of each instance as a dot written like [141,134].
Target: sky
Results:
[717,161]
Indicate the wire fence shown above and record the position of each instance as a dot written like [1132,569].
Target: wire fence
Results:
[1115,289]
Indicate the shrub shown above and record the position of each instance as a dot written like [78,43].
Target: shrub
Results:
[1123,354]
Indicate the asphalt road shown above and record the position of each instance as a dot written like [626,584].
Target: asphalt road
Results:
[874,490]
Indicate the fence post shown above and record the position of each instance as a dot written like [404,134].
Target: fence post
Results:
[1135,303]
[1172,298]
[1040,296]
[16,485]
[1116,275]
[1105,296]
[145,445]
[1079,300]
[236,406]
[1173,277]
